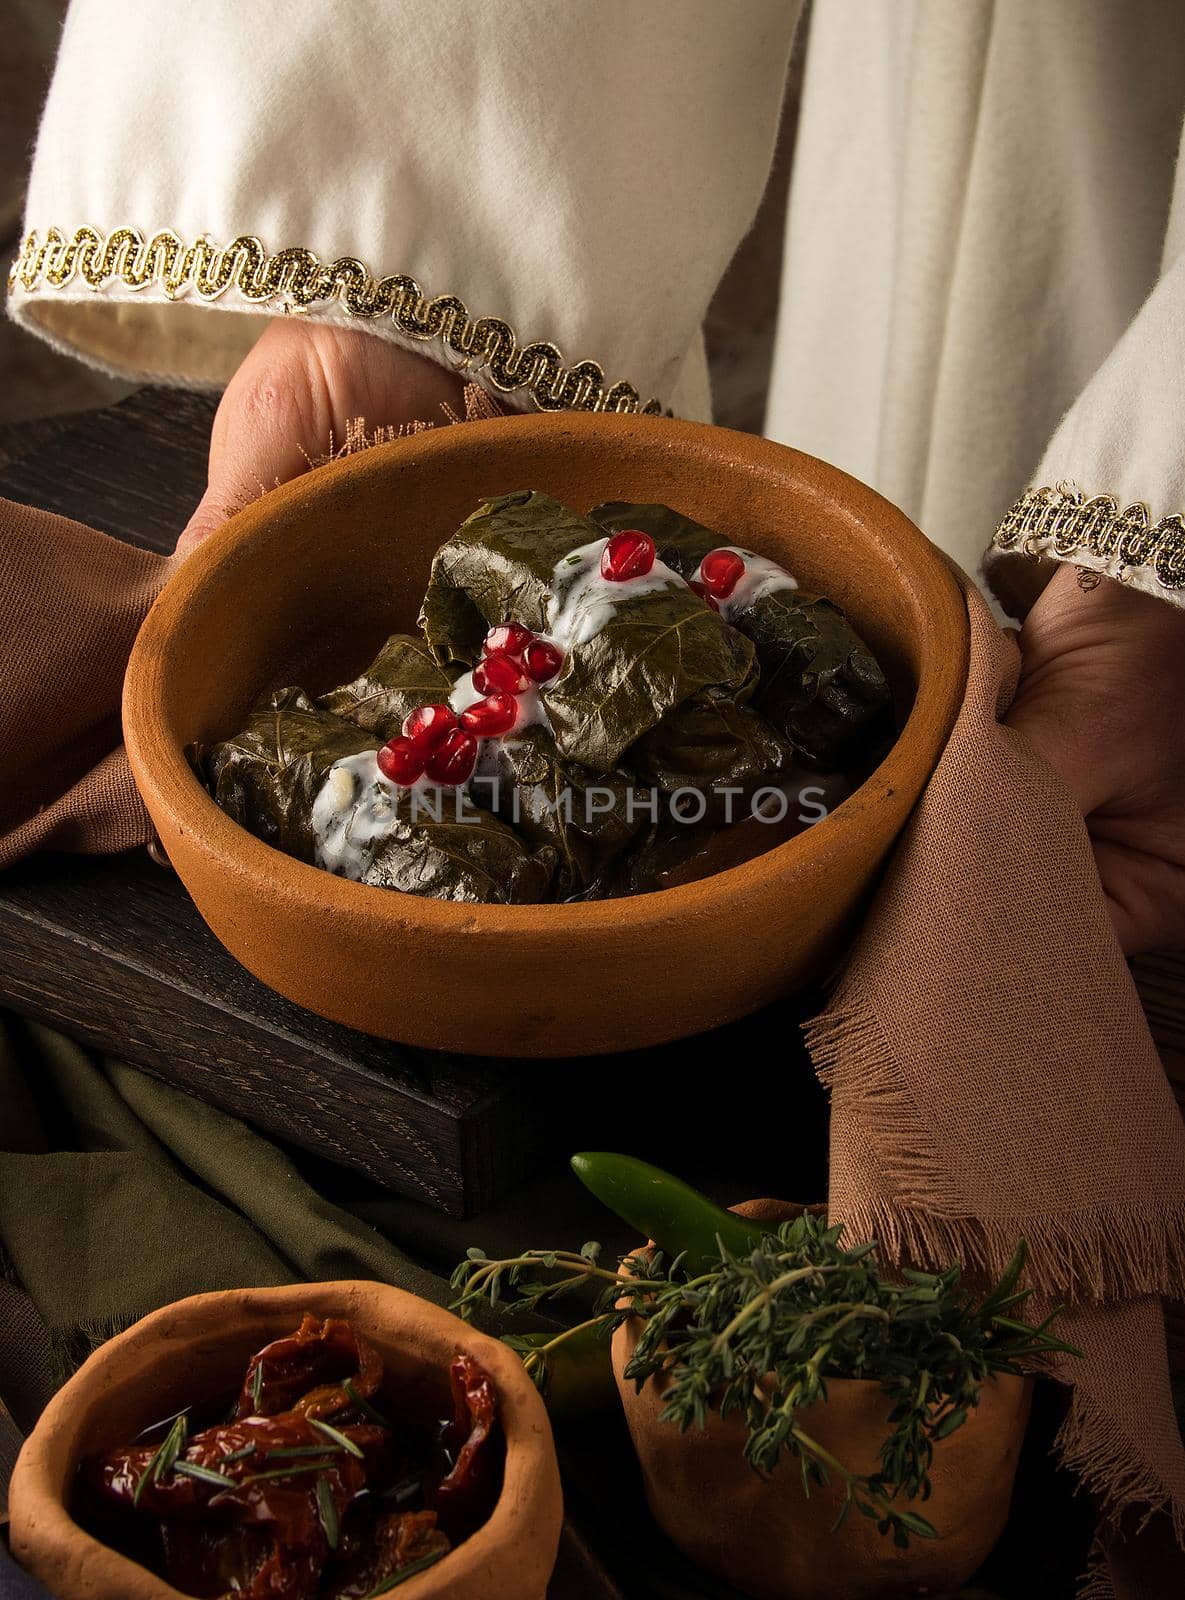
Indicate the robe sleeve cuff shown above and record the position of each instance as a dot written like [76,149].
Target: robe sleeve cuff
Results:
[149,285]
[1059,523]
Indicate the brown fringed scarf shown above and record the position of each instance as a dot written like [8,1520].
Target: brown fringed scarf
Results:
[993,1077]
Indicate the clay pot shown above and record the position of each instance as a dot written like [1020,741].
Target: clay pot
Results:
[304,585]
[197,1349]
[765,1538]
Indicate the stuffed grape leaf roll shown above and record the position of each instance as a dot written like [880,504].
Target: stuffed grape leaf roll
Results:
[632,650]
[820,687]
[587,817]
[268,776]
[713,747]
[308,782]
[405,674]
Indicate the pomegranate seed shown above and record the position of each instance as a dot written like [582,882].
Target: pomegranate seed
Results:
[720,571]
[427,725]
[697,587]
[629,554]
[454,758]
[402,761]
[500,674]
[543,660]
[487,718]
[508,639]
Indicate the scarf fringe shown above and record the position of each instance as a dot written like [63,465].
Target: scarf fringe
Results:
[1103,1459]
[1095,1583]
[479,407]
[70,1346]
[1082,1256]
[1106,1463]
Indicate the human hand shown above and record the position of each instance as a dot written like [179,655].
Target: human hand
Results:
[1102,698]
[302,383]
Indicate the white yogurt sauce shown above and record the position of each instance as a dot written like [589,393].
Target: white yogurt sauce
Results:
[353,810]
[583,602]
[464,694]
[762,576]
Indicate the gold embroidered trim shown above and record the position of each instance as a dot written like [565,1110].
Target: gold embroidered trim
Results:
[1060,521]
[485,344]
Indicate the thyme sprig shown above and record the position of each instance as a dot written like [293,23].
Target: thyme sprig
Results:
[760,1335]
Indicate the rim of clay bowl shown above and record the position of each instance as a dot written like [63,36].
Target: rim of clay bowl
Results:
[168,784]
[42,1478]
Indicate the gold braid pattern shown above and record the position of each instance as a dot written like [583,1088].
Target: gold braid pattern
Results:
[483,343]
[1061,521]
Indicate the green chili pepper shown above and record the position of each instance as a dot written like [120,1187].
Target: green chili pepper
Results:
[679,1219]
[579,1379]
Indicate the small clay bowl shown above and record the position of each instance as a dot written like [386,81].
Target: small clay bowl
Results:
[766,1539]
[197,1350]
[304,585]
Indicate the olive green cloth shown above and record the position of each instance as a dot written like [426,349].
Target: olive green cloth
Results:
[119,1194]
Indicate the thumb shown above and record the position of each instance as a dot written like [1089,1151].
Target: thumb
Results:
[294,391]
[276,408]
[212,511]
[257,442]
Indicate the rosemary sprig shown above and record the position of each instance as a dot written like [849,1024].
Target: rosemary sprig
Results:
[164,1455]
[327,1512]
[194,1469]
[337,1438]
[257,1386]
[759,1336]
[162,1425]
[299,1470]
[241,1454]
[293,1451]
[362,1404]
[402,1492]
[405,1573]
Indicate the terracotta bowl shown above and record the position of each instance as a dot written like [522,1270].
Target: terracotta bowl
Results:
[198,1349]
[305,584]
[765,1538]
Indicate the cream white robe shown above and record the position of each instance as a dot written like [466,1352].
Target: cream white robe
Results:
[983,285]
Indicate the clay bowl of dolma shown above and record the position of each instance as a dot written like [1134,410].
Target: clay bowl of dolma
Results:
[303,586]
[194,1353]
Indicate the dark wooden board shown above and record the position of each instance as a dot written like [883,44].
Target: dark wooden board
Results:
[135,470]
[113,952]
